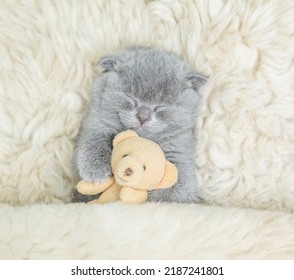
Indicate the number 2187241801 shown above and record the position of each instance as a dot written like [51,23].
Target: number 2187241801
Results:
[185,270]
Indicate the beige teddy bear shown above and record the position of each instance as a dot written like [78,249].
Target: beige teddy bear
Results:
[138,165]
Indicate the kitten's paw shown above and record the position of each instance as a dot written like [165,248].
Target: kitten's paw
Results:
[88,176]
[172,195]
[162,195]
[96,175]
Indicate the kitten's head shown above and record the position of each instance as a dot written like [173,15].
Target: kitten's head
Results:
[150,89]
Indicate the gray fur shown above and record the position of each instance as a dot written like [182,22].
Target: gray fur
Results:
[147,86]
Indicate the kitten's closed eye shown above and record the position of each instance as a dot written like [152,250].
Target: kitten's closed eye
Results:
[165,113]
[128,103]
[159,108]
[132,100]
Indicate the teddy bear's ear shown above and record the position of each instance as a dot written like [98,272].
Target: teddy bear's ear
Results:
[170,176]
[124,135]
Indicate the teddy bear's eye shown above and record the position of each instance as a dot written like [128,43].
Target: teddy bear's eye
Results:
[144,167]
[124,155]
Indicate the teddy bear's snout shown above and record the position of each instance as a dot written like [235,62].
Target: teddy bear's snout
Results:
[128,172]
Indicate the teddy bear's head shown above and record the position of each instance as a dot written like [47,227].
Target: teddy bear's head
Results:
[140,163]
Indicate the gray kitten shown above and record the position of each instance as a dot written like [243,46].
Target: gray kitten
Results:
[154,93]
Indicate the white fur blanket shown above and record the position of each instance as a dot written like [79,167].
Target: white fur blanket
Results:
[245,132]
[149,231]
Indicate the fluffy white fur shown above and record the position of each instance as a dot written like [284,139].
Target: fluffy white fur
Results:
[245,151]
[147,231]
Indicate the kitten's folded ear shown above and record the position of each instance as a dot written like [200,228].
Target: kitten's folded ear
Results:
[109,63]
[195,80]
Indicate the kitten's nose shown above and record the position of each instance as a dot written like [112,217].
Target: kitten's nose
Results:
[144,114]
[142,119]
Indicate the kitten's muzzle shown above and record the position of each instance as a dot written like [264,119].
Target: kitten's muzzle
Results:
[143,115]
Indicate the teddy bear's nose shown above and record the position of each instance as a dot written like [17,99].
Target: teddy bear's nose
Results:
[128,172]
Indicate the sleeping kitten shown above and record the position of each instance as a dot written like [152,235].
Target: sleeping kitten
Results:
[154,93]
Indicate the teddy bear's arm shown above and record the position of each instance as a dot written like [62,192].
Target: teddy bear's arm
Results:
[110,195]
[130,195]
[89,188]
